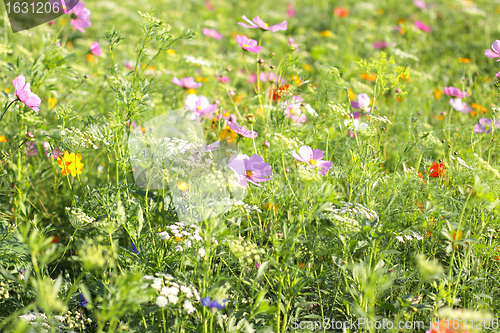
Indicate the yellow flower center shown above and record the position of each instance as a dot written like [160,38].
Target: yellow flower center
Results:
[245,45]
[267,25]
[227,114]
[313,162]
[198,108]
[249,173]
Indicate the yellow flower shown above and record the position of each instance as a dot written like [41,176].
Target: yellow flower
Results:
[228,134]
[171,52]
[3,138]
[91,58]
[308,68]
[7,90]
[464,60]
[52,102]
[183,186]
[326,33]
[296,79]
[352,95]
[437,93]
[70,164]
[201,79]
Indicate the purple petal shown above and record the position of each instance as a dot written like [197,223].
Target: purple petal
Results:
[278,27]
[317,154]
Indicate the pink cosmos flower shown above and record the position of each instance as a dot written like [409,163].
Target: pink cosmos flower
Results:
[252,169]
[419,4]
[290,10]
[498,75]
[362,103]
[212,33]
[80,16]
[293,110]
[270,76]
[24,94]
[496,50]
[313,158]
[292,45]
[209,5]
[486,125]
[420,25]
[130,65]
[223,79]
[201,105]
[242,130]
[380,44]
[95,48]
[230,118]
[248,44]
[455,92]
[252,78]
[460,105]
[186,83]
[257,23]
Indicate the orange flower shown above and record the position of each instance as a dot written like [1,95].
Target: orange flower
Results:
[3,138]
[464,60]
[437,93]
[372,77]
[296,79]
[405,78]
[326,33]
[457,236]
[446,326]
[228,134]
[281,91]
[340,12]
[352,95]
[268,206]
[437,170]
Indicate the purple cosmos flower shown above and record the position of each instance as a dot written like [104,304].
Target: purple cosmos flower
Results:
[248,44]
[82,301]
[420,25]
[313,158]
[95,49]
[419,4]
[496,50]
[252,169]
[213,304]
[80,16]
[455,92]
[242,130]
[133,248]
[460,105]
[486,125]
[292,45]
[212,33]
[257,265]
[201,105]
[223,79]
[379,44]
[362,103]
[257,23]
[186,83]
[24,94]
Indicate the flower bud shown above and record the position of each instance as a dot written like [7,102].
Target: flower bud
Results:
[267,144]
[30,135]
[250,118]
[260,61]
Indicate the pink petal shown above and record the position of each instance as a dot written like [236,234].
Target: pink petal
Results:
[496,46]
[491,54]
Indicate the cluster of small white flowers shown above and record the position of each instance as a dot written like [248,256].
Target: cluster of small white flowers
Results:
[68,322]
[246,251]
[78,217]
[341,109]
[379,119]
[289,143]
[350,214]
[4,293]
[186,236]
[170,292]
[77,137]
[408,235]
[239,203]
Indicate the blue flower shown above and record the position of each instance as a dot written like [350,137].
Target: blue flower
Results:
[134,248]
[207,301]
[81,300]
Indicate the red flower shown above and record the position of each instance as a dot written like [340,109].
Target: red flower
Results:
[437,170]
[281,91]
[341,12]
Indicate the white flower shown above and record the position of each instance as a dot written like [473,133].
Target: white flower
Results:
[197,237]
[188,307]
[167,291]
[164,235]
[201,252]
[196,294]
[408,237]
[178,248]
[188,243]
[148,277]
[187,291]
[401,239]
[173,299]
[157,283]
[161,301]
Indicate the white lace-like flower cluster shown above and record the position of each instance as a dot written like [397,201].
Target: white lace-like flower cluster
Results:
[70,322]
[170,291]
[185,236]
